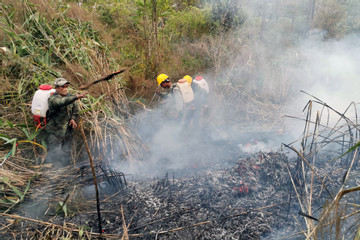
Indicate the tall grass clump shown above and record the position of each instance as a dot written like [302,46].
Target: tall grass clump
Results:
[330,141]
[41,41]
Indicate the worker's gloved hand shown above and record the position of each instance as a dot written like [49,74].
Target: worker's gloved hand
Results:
[81,95]
[72,123]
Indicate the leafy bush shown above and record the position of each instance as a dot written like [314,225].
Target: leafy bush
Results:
[226,15]
[331,18]
[189,24]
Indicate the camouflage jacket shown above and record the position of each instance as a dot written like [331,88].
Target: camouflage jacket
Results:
[61,110]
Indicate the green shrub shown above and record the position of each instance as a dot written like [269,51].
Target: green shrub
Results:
[189,24]
[226,15]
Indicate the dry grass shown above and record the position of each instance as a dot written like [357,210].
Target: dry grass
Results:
[257,109]
[318,134]
[329,16]
[43,7]
[15,177]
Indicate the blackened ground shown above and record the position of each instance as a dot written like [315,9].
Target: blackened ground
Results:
[252,199]
[243,202]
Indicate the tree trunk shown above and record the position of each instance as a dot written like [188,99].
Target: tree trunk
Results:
[310,15]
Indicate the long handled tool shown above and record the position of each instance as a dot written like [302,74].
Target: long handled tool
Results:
[104,78]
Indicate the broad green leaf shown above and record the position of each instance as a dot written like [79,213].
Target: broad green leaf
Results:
[65,210]
[81,232]
[21,126]
[10,124]
[26,189]
[60,208]
[85,110]
[97,100]
[24,130]
[348,151]
[4,179]
[8,140]
[7,201]
[15,189]
[5,138]
[14,147]
[12,199]
[34,135]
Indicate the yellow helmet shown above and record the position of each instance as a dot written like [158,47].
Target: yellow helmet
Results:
[188,79]
[162,77]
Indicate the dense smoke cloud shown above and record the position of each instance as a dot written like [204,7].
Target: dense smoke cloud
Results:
[287,52]
[273,55]
[331,69]
[175,147]
[273,59]
[328,71]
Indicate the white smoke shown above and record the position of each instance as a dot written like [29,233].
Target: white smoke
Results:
[275,54]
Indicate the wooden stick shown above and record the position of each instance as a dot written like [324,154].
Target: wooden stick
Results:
[125,235]
[37,221]
[105,78]
[94,176]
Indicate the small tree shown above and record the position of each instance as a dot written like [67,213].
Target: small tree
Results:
[227,14]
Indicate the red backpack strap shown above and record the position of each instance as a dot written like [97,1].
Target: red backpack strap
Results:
[39,121]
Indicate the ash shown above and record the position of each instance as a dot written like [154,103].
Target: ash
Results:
[252,199]
[246,201]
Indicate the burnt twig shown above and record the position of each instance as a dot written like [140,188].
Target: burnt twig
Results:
[308,216]
[94,176]
[104,78]
[313,170]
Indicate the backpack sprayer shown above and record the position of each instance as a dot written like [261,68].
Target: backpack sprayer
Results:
[39,104]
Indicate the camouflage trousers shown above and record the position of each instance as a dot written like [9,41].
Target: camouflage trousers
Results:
[59,150]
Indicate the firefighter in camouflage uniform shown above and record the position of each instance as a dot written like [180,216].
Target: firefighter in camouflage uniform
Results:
[62,114]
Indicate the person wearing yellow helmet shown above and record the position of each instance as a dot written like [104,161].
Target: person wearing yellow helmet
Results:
[161,78]
[171,96]
[188,95]
[188,79]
